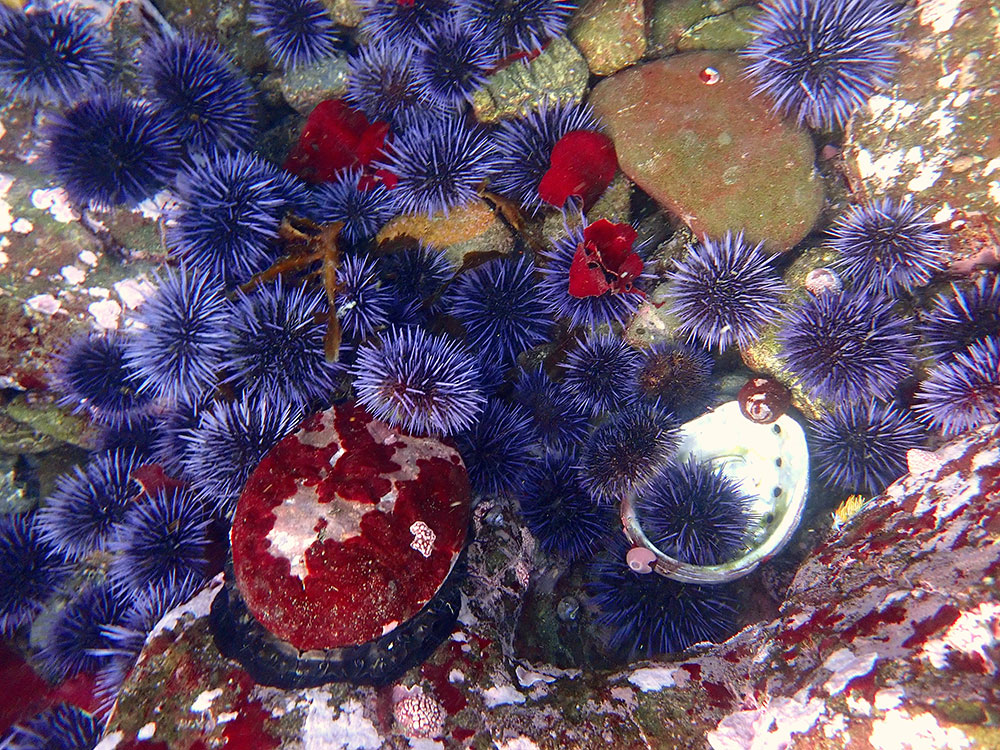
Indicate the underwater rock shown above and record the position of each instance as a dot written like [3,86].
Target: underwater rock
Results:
[673,20]
[305,86]
[727,31]
[688,132]
[888,637]
[611,34]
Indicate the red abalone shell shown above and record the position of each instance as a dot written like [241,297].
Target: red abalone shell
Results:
[347,528]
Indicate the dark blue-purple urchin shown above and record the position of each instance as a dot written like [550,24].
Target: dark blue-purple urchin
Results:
[162,536]
[675,377]
[725,292]
[518,25]
[277,344]
[497,449]
[172,446]
[108,150]
[383,84]
[30,570]
[695,514]
[888,247]
[963,393]
[560,422]
[403,22]
[502,308]
[93,375]
[453,61]
[177,353]
[363,301]
[84,510]
[524,148]
[364,210]
[62,727]
[51,55]
[598,372]
[966,315]
[228,210]
[199,91]
[561,515]
[296,32]
[230,440]
[139,435]
[627,451]
[847,346]
[584,312]
[819,60]
[440,164]
[861,447]
[417,277]
[417,381]
[77,631]
[650,615]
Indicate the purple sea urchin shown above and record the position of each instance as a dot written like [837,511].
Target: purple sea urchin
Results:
[453,62]
[364,211]
[172,447]
[725,292]
[847,346]
[560,422]
[62,727]
[565,520]
[296,32]
[417,381]
[497,448]
[439,164]
[109,150]
[52,55]
[625,453]
[78,631]
[861,447]
[162,536]
[819,60]
[675,377]
[383,84]
[417,277]
[81,515]
[30,570]
[199,91]
[650,615]
[963,393]
[518,25]
[137,435]
[229,207]
[277,344]
[524,147]
[93,375]
[598,372]
[403,22]
[967,315]
[178,352]
[887,246]
[502,308]
[363,300]
[695,514]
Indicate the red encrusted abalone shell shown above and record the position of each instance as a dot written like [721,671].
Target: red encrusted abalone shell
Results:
[347,528]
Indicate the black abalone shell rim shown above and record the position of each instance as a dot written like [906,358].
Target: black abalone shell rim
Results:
[272,661]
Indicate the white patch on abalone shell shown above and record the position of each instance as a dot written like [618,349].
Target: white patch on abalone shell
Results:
[45,304]
[321,438]
[326,728]
[106,313]
[940,15]
[423,538]
[845,666]
[973,632]
[901,730]
[407,450]
[389,627]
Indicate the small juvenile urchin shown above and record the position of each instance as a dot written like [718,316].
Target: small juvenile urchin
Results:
[363,301]
[598,372]
[502,308]
[675,377]
[847,346]
[963,393]
[962,317]
[83,512]
[439,164]
[296,32]
[30,570]
[861,447]
[695,514]
[887,246]
[819,60]
[178,351]
[62,727]
[199,91]
[725,292]
[52,55]
[108,150]
[497,449]
[560,422]
[171,447]
[364,209]
[518,25]
[78,631]
[420,382]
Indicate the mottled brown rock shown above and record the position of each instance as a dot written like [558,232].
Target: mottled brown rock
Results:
[674,19]
[611,34]
[709,152]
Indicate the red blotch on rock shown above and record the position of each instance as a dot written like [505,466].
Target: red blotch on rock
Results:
[605,261]
[582,164]
[336,137]
[763,400]
[347,529]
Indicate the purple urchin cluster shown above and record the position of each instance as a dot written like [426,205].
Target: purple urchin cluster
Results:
[364,209]
[725,292]
[847,346]
[964,392]
[597,373]
[861,447]
[31,570]
[296,32]
[51,55]
[559,421]
[887,247]
[418,278]
[76,640]
[819,60]
[498,448]
[966,315]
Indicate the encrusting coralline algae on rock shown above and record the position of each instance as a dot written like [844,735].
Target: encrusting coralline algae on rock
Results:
[899,603]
